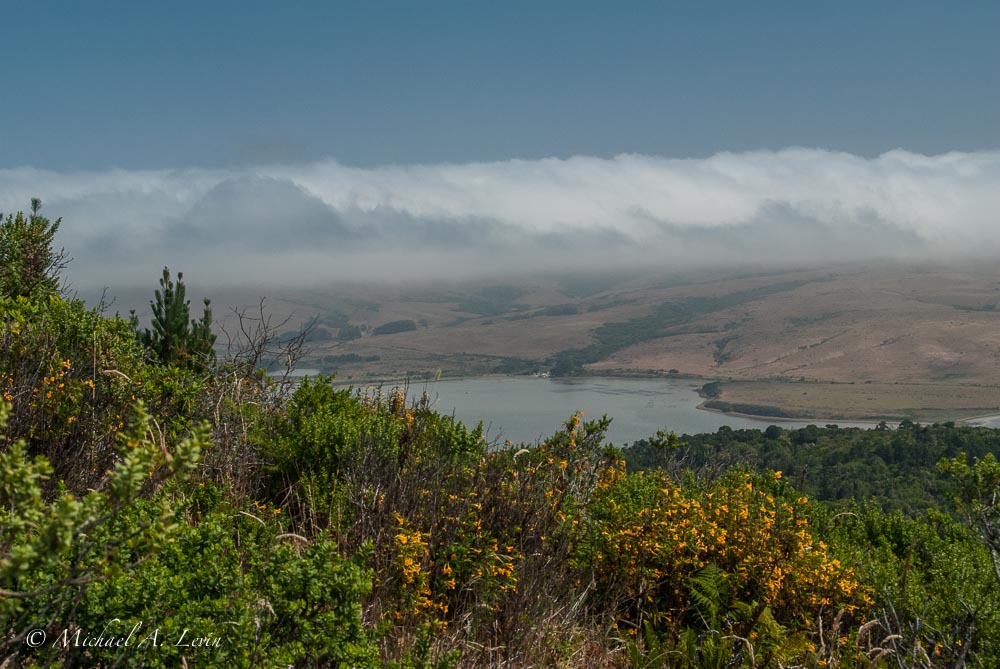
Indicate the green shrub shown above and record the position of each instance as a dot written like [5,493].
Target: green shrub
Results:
[29,265]
[394,327]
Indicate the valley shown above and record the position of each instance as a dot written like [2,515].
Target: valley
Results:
[858,342]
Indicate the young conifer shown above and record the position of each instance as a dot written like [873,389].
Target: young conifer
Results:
[175,338]
[29,265]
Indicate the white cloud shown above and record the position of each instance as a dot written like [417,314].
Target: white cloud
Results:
[324,220]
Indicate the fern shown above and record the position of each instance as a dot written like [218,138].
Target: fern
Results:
[709,591]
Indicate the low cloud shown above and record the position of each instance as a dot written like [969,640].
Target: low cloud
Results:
[323,221]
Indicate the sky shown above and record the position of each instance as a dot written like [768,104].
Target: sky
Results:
[329,131]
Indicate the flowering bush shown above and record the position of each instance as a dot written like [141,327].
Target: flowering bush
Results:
[728,556]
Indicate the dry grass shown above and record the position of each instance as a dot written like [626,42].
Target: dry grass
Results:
[867,401]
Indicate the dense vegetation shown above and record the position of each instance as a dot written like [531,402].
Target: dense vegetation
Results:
[395,327]
[165,511]
[894,467]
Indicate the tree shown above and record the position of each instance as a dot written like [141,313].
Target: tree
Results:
[175,337]
[978,497]
[29,266]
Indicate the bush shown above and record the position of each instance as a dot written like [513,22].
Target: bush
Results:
[393,327]
[714,556]
[71,377]
[265,597]
[349,333]
[53,549]
[29,265]
[149,553]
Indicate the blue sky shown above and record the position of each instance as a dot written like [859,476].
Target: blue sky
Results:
[92,86]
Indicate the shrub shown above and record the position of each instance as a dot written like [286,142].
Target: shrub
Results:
[52,550]
[349,333]
[29,265]
[71,377]
[393,327]
[732,556]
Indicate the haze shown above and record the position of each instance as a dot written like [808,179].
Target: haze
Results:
[323,221]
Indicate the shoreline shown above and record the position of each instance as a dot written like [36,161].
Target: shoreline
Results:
[762,418]
[868,420]
[776,419]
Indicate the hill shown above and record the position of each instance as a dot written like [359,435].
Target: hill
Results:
[849,341]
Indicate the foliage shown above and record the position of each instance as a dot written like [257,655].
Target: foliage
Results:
[935,596]
[56,547]
[29,265]
[176,338]
[348,358]
[895,467]
[712,389]
[349,333]
[483,548]
[269,597]
[733,556]
[71,377]
[394,327]
[978,497]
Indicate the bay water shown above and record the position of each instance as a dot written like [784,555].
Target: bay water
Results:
[526,409]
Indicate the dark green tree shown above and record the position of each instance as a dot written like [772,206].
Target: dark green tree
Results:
[176,338]
[29,266]
[978,497]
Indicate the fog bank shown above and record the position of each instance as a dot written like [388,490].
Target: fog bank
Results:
[322,221]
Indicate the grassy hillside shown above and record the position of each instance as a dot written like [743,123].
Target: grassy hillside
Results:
[867,342]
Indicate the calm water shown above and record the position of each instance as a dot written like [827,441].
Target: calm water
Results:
[525,409]
[986,421]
